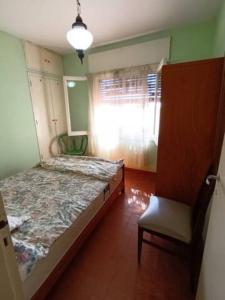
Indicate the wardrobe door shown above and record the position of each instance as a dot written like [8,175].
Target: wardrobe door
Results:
[190,97]
[58,105]
[41,59]
[51,62]
[43,115]
[33,56]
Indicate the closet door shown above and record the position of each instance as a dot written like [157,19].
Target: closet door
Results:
[33,56]
[41,59]
[58,105]
[188,122]
[42,108]
[51,62]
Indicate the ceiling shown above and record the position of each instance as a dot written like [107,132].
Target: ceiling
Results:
[45,22]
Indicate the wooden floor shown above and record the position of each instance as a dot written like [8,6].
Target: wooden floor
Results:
[106,267]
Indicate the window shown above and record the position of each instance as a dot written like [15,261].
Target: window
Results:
[126,107]
[112,89]
[154,86]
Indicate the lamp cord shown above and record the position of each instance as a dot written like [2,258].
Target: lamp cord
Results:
[78,7]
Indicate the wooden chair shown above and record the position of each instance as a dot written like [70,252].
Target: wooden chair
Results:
[178,223]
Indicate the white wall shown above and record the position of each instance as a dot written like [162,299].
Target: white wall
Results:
[151,52]
[212,277]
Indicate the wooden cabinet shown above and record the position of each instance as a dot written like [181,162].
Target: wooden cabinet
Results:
[58,105]
[33,56]
[49,112]
[188,124]
[46,86]
[43,60]
[51,62]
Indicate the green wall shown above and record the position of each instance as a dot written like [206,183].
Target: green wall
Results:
[78,96]
[79,103]
[72,65]
[18,148]
[188,43]
[219,42]
[192,42]
[18,143]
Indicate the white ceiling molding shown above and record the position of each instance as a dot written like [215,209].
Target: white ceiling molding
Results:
[46,22]
[151,52]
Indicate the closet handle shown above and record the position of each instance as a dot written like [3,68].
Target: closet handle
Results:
[212,177]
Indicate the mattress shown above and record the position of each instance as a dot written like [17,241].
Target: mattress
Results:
[45,266]
[60,198]
[52,200]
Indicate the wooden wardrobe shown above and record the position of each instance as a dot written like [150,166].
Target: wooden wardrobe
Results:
[188,126]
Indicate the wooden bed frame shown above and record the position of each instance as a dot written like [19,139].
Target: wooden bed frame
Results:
[70,254]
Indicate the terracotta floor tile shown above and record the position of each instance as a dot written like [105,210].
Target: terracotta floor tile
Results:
[106,267]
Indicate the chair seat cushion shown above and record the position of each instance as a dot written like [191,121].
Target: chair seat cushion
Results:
[167,217]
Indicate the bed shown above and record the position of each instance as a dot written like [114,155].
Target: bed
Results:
[61,201]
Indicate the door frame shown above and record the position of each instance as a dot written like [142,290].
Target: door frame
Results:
[68,120]
[10,282]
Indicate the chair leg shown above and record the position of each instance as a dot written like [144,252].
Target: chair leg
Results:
[140,238]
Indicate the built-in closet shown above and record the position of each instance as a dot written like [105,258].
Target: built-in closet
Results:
[45,73]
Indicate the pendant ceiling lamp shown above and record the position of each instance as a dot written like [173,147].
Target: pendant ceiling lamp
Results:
[79,37]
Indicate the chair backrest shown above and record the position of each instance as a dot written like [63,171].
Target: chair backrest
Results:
[64,142]
[71,145]
[201,205]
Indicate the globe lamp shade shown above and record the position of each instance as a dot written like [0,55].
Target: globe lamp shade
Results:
[79,38]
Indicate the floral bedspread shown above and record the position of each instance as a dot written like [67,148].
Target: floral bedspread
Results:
[91,166]
[53,200]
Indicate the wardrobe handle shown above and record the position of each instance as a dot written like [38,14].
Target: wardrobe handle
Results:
[212,177]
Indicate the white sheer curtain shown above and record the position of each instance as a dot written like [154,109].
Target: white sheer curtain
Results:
[123,115]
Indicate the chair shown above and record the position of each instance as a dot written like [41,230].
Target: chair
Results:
[73,145]
[178,223]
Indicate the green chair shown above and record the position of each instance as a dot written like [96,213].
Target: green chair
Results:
[73,145]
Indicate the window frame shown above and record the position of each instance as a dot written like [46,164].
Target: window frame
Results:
[67,105]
